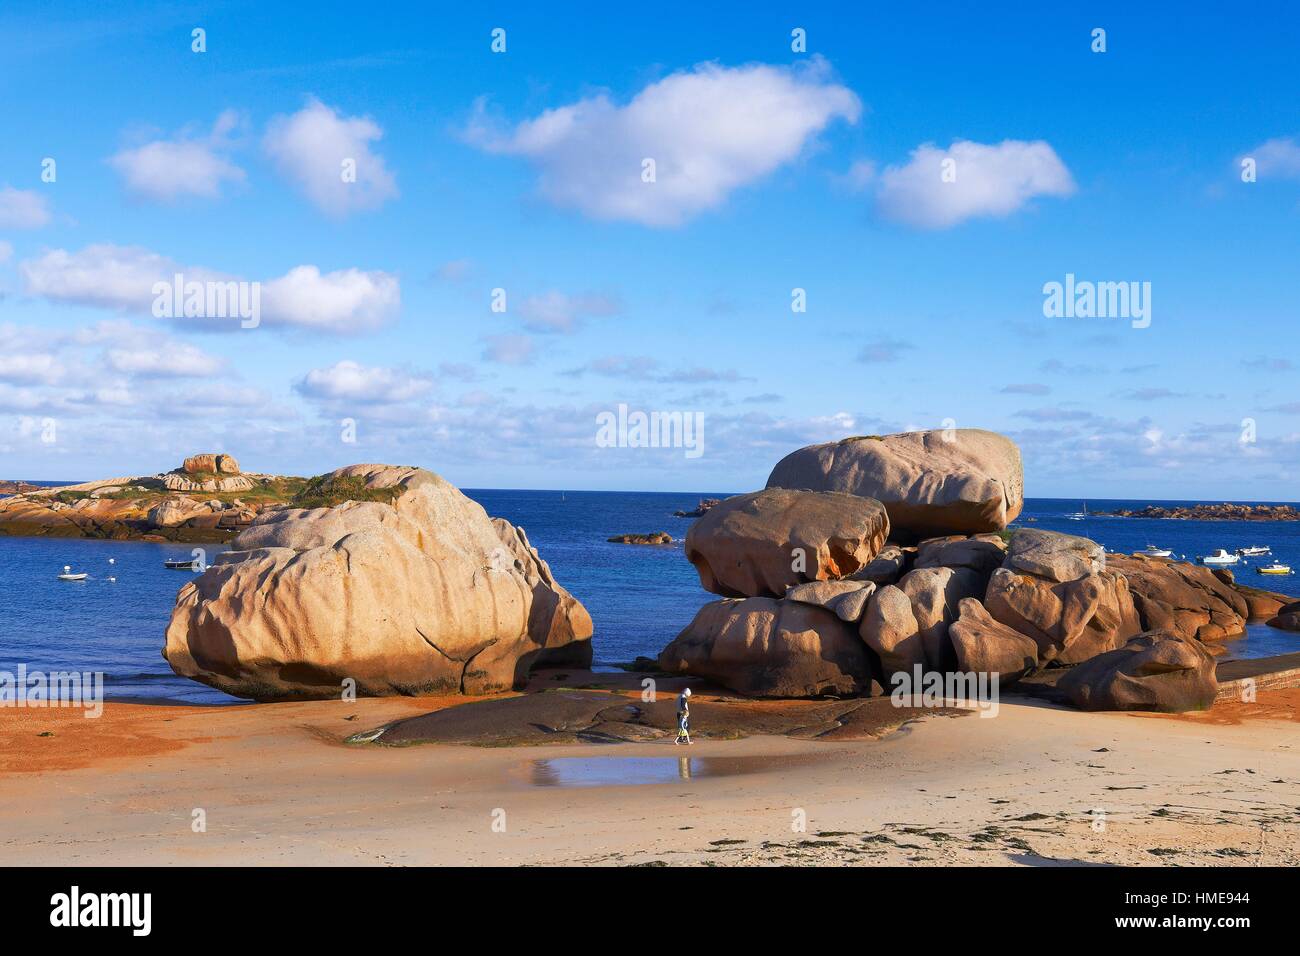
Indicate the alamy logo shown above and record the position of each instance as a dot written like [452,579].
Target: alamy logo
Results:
[38,689]
[208,299]
[1100,300]
[74,908]
[651,430]
[977,689]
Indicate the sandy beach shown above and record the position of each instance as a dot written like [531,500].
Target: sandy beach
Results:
[1036,785]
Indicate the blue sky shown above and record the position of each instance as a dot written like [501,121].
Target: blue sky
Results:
[776,170]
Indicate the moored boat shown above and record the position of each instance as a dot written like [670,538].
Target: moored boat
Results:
[1254,551]
[1219,558]
[67,575]
[187,565]
[1151,551]
[1275,568]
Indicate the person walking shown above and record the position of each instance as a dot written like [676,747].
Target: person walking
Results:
[683,717]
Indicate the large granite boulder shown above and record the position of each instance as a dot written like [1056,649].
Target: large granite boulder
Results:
[1052,588]
[1157,670]
[762,543]
[420,592]
[210,465]
[889,628]
[931,482]
[983,645]
[1185,599]
[767,648]
[907,624]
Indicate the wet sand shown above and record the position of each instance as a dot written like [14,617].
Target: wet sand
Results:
[276,784]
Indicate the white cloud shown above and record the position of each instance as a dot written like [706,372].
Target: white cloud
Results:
[169,360]
[123,277]
[989,181]
[6,251]
[104,275]
[351,381]
[1277,158]
[30,369]
[348,300]
[22,209]
[710,131]
[510,349]
[311,147]
[555,311]
[166,170]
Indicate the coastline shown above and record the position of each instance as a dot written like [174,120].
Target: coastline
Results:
[278,786]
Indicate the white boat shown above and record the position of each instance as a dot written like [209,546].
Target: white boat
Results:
[1079,515]
[1254,551]
[1219,558]
[1151,551]
[1275,568]
[67,575]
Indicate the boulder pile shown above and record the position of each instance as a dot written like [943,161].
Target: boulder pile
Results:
[866,559]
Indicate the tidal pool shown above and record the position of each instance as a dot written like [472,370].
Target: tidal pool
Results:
[632,771]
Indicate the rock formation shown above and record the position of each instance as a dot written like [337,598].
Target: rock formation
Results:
[1184,599]
[951,592]
[418,593]
[932,483]
[177,505]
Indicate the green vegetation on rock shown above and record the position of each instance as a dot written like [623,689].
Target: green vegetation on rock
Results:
[326,491]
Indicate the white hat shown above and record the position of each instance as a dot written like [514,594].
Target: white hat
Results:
[687,692]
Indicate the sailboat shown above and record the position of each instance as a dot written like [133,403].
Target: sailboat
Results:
[1079,515]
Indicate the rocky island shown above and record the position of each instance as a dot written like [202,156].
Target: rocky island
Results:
[1223,512]
[654,537]
[207,499]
